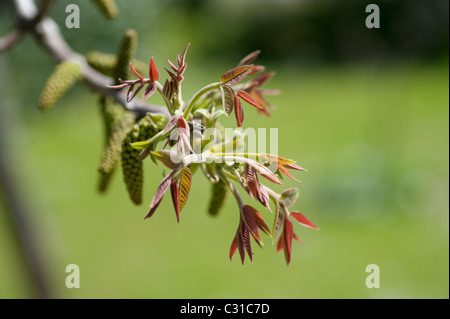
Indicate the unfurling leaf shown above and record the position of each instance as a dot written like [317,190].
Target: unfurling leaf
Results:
[185,186]
[149,90]
[235,75]
[171,124]
[258,219]
[233,247]
[175,198]
[249,58]
[245,235]
[249,99]
[302,220]
[294,166]
[153,71]
[240,245]
[136,72]
[280,244]
[290,196]
[265,172]
[251,224]
[227,99]
[238,111]
[287,239]
[163,187]
[285,172]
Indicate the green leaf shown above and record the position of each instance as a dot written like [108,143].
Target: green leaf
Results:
[290,196]
[140,145]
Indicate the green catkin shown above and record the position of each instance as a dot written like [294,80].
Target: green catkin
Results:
[132,167]
[108,8]
[219,193]
[117,122]
[62,79]
[105,63]
[125,54]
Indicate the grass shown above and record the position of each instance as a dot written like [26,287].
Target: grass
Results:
[374,140]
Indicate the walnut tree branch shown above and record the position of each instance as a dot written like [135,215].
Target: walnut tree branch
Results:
[47,33]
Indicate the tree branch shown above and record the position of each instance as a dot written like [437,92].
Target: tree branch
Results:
[47,33]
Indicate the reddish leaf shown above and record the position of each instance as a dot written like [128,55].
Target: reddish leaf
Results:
[174,68]
[167,89]
[175,199]
[280,244]
[249,58]
[240,245]
[153,71]
[130,92]
[251,224]
[246,240]
[183,56]
[235,75]
[252,180]
[285,172]
[186,140]
[287,239]
[149,90]
[137,91]
[238,111]
[171,124]
[264,198]
[294,166]
[185,186]
[233,247]
[183,126]
[256,94]
[135,72]
[265,172]
[263,78]
[302,220]
[256,69]
[173,76]
[163,187]
[249,99]
[298,238]
[258,219]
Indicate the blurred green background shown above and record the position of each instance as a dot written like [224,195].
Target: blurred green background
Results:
[364,110]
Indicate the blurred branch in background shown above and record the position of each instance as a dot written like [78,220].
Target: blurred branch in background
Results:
[25,233]
[46,32]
